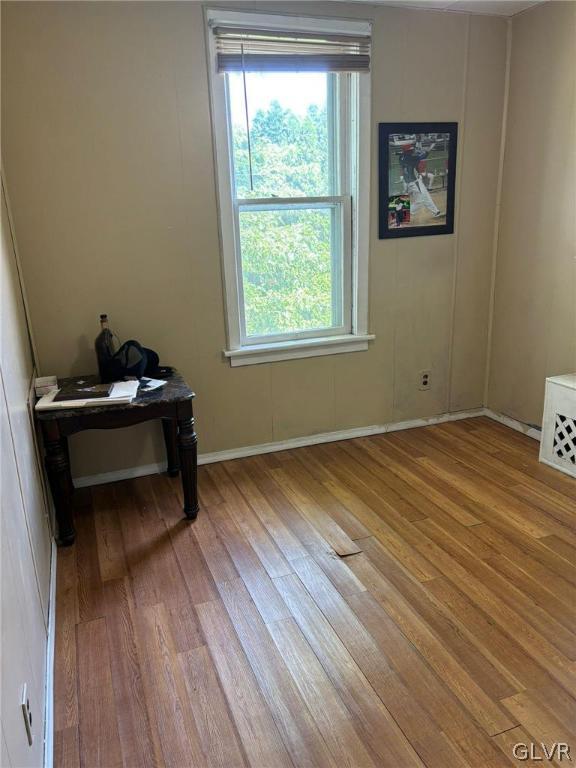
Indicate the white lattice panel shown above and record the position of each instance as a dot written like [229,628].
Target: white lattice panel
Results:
[565,438]
[558,444]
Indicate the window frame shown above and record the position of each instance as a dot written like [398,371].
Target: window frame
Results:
[343,286]
[354,106]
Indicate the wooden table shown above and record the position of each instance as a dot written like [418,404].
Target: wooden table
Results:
[172,404]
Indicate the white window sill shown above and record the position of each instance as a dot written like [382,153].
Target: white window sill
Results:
[289,350]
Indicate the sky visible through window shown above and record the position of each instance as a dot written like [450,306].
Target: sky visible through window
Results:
[295,91]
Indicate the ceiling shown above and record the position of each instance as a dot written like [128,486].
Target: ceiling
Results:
[491,7]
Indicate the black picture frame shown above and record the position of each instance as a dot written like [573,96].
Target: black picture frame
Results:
[394,227]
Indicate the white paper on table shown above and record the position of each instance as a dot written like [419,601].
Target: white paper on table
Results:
[122,392]
[147,385]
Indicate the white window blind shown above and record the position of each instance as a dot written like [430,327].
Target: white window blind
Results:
[266,50]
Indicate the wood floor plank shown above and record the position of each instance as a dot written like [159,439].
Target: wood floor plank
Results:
[218,736]
[193,567]
[66,672]
[108,534]
[560,704]
[349,629]
[431,691]
[379,731]
[98,728]
[508,740]
[353,478]
[256,579]
[442,494]
[324,524]
[293,719]
[486,712]
[411,492]
[208,493]
[440,622]
[154,572]
[313,543]
[428,742]
[463,430]
[254,722]
[537,721]
[418,566]
[531,560]
[561,512]
[466,475]
[533,641]
[285,540]
[528,464]
[66,749]
[213,551]
[478,573]
[298,524]
[322,497]
[498,431]
[367,471]
[184,626]
[556,573]
[90,601]
[493,498]
[138,740]
[190,558]
[530,586]
[508,481]
[395,601]
[168,585]
[270,556]
[512,661]
[560,548]
[331,716]
[336,569]
[450,439]
[169,707]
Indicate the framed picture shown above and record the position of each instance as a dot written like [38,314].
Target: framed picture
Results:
[417,173]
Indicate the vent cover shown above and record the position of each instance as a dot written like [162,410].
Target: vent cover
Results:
[565,438]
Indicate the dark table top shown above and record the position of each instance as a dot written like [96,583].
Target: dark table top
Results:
[176,389]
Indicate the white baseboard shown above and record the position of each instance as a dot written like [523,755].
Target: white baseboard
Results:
[519,426]
[120,474]
[49,682]
[300,442]
[281,445]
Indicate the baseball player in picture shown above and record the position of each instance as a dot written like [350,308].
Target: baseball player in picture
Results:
[413,172]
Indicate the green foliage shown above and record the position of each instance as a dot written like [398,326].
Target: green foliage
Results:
[287,270]
[290,154]
[286,261]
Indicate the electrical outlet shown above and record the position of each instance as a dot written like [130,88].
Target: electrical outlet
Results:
[27,713]
[424,380]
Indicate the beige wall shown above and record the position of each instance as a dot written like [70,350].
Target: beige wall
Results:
[534,332]
[108,150]
[25,543]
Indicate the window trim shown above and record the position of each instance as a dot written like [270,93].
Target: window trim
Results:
[322,341]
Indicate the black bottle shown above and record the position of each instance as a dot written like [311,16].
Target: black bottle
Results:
[105,348]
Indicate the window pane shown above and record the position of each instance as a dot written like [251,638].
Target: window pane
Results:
[290,271]
[288,116]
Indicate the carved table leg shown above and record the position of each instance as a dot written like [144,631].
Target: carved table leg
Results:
[58,469]
[187,441]
[171,441]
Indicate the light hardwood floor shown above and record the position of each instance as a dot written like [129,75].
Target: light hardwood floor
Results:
[404,600]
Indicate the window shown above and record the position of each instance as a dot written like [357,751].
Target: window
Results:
[290,100]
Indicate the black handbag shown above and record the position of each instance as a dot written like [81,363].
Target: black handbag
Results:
[132,359]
